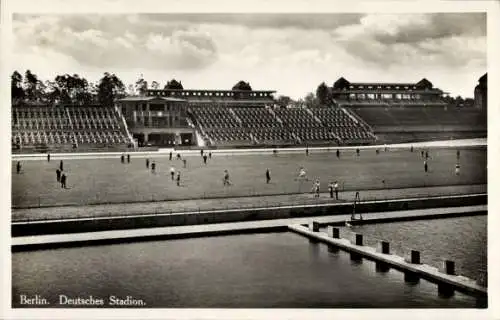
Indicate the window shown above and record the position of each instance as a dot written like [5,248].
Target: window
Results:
[351,87]
[360,87]
[156,107]
[369,87]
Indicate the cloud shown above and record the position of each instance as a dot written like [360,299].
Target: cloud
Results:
[94,44]
[434,39]
[292,53]
[316,21]
[435,26]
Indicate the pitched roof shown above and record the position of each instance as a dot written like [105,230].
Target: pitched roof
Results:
[151,98]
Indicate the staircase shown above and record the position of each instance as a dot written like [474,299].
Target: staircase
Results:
[122,118]
[357,119]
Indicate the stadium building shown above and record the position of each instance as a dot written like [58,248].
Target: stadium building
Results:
[157,120]
[358,113]
[249,118]
[406,112]
[421,93]
[481,93]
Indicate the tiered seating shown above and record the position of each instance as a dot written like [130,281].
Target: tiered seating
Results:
[256,118]
[297,118]
[342,125]
[42,125]
[219,125]
[271,136]
[381,118]
[263,126]
[212,116]
[233,136]
[224,125]
[312,135]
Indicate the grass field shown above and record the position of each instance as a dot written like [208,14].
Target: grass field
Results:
[110,181]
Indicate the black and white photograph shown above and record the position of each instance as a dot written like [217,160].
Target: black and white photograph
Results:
[192,157]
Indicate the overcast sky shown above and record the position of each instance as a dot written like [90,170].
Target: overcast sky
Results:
[290,53]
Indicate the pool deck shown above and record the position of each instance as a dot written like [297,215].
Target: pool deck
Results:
[145,234]
[234,203]
[454,282]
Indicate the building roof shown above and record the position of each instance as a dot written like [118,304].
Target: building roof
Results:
[483,79]
[213,90]
[150,98]
[223,102]
[343,83]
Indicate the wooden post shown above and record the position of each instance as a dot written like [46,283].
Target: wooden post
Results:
[448,267]
[384,247]
[314,226]
[333,232]
[414,257]
[359,239]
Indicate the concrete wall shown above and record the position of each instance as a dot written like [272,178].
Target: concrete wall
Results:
[101,224]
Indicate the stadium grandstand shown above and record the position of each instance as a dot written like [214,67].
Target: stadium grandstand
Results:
[356,114]
[406,112]
[39,128]
[250,118]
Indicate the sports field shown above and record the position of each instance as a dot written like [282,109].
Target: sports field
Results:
[110,181]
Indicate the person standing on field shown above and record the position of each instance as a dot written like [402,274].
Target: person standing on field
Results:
[63,181]
[316,188]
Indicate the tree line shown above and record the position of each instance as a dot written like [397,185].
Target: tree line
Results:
[67,89]
[76,90]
